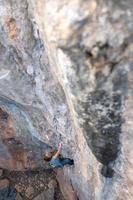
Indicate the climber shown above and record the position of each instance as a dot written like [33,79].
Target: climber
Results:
[56,160]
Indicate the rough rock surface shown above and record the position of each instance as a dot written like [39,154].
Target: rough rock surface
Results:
[66,186]
[26,185]
[33,107]
[4,183]
[66,73]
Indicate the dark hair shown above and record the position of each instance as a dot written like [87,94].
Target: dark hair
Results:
[47,158]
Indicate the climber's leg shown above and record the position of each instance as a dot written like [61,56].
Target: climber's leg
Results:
[67,161]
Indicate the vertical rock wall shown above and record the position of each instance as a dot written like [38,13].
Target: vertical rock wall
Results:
[30,94]
[66,74]
[89,44]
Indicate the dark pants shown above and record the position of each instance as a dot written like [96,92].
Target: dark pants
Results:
[66,161]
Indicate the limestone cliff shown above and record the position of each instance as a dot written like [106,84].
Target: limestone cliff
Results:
[66,75]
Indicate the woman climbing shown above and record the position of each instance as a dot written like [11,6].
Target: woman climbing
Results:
[56,160]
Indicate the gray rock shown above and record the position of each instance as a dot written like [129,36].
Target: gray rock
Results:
[4,183]
[1,172]
[48,195]
[66,75]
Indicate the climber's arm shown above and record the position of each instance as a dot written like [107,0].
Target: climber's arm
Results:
[58,152]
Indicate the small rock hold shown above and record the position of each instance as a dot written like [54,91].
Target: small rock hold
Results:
[41,185]
[29,191]
[4,183]
[18,197]
[52,184]
[18,188]
[4,73]
[30,70]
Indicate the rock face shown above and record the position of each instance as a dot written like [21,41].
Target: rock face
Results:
[66,75]
[33,107]
[27,185]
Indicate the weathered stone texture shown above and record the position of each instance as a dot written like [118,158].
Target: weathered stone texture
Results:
[66,75]
[29,92]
